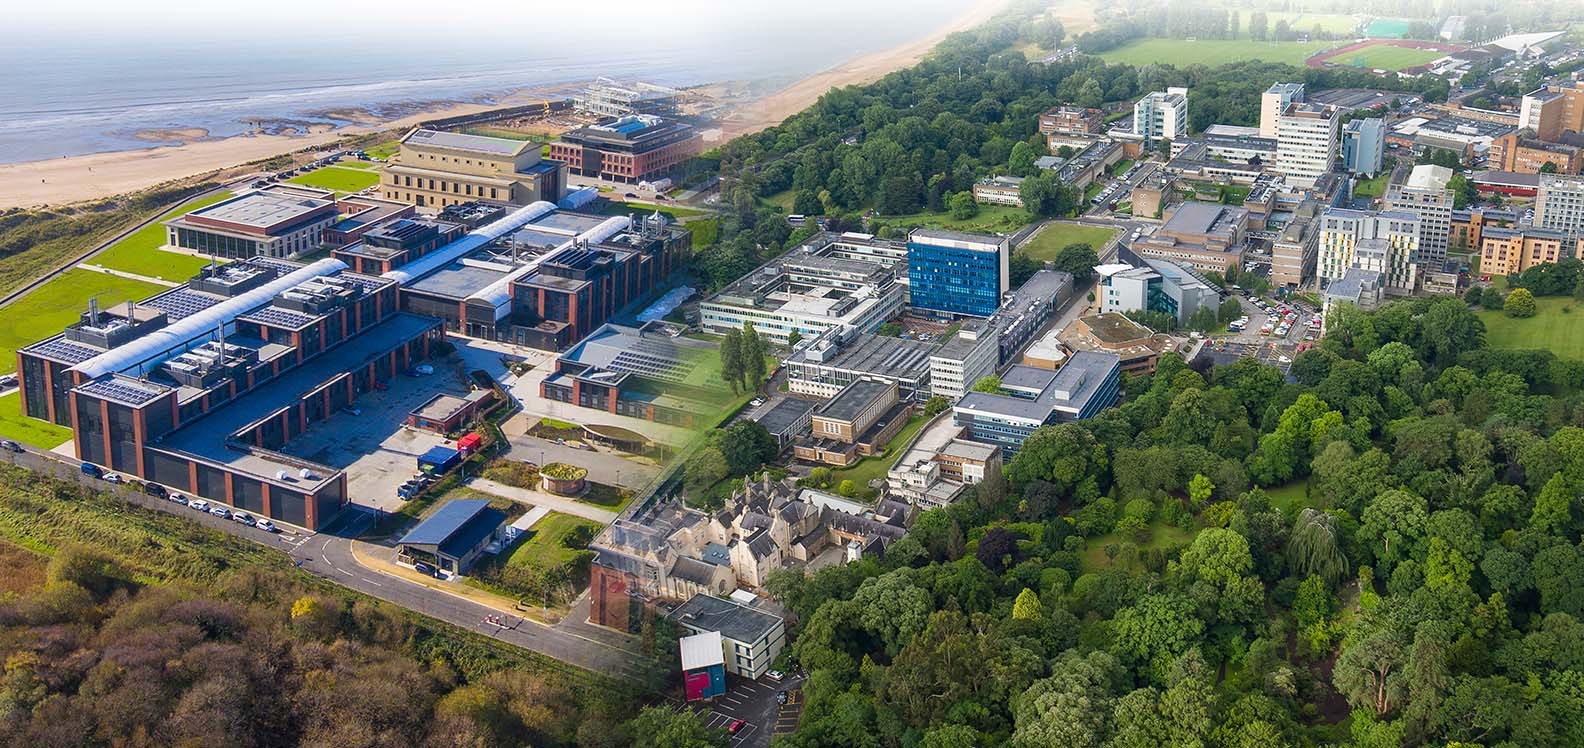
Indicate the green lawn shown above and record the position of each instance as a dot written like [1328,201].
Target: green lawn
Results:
[1054,236]
[1551,328]
[1371,187]
[1385,57]
[1211,52]
[870,468]
[990,218]
[614,208]
[1162,535]
[783,199]
[1334,23]
[338,178]
[1392,28]
[1289,498]
[30,431]
[544,549]
[140,253]
[352,163]
[384,150]
[58,303]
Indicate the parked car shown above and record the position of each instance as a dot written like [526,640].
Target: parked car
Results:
[154,489]
[775,675]
[220,511]
[424,568]
[735,727]
[245,518]
[7,380]
[114,479]
[178,498]
[10,446]
[91,469]
[351,411]
[199,504]
[781,697]
[267,526]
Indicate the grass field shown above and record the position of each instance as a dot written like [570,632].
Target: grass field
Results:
[1551,328]
[1211,52]
[1054,236]
[546,548]
[991,218]
[1162,535]
[1371,187]
[1385,57]
[140,253]
[58,303]
[1332,23]
[338,178]
[384,150]
[1387,28]
[1289,498]
[870,468]
[614,208]
[352,163]
[30,431]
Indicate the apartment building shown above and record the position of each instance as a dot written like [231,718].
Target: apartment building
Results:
[1293,251]
[1468,226]
[1161,115]
[1273,102]
[1506,251]
[1553,110]
[1363,146]
[1520,151]
[1342,230]
[1426,195]
[1559,204]
[1306,142]
[434,168]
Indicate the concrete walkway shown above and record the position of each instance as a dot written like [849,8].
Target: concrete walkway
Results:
[540,498]
[125,274]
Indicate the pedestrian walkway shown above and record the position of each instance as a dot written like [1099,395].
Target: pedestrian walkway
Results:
[540,498]
[125,274]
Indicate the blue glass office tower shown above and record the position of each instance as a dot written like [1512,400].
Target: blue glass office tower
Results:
[951,272]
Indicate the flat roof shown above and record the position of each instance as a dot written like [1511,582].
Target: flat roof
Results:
[1069,389]
[784,414]
[702,650]
[732,620]
[457,281]
[873,354]
[1192,217]
[853,399]
[992,241]
[464,142]
[260,209]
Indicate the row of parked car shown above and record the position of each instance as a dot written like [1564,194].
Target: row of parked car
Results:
[158,491]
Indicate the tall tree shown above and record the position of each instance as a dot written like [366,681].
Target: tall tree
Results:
[753,357]
[731,355]
[1315,547]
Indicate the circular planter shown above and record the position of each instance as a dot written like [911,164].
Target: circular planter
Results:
[562,479]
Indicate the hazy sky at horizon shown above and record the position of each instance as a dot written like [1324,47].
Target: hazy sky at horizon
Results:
[146,21]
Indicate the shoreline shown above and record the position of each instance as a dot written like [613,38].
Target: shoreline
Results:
[73,179]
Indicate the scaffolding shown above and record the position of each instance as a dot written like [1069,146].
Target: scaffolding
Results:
[608,98]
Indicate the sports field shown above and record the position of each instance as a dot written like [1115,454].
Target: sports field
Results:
[338,178]
[1331,23]
[1387,28]
[52,306]
[1382,57]
[1211,52]
[1055,235]
[140,253]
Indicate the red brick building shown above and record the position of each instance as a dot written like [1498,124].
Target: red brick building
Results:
[630,149]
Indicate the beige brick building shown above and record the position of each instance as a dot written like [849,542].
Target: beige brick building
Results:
[436,169]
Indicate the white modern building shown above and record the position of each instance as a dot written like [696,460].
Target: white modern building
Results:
[1559,204]
[1306,142]
[1156,286]
[843,281]
[1363,146]
[969,355]
[1425,195]
[1162,115]
[1273,102]
[1345,235]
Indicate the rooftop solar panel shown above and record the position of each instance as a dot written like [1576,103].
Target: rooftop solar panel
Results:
[61,349]
[182,303]
[277,317]
[123,391]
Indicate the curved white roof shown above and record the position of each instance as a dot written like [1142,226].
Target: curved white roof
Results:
[450,252]
[498,293]
[183,331]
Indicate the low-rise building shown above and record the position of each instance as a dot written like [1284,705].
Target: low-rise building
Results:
[1137,347]
[858,422]
[627,371]
[630,149]
[1028,309]
[1358,286]
[999,191]
[435,168]
[788,419]
[389,245]
[933,478]
[1155,286]
[828,364]
[1031,398]
[1468,226]
[277,221]
[1072,120]
[1203,236]
[453,537]
[750,638]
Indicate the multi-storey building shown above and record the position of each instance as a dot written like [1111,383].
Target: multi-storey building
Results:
[750,638]
[1559,204]
[630,149]
[955,273]
[1556,109]
[436,168]
[1468,226]
[970,354]
[936,477]
[1072,120]
[1521,152]
[1155,286]
[620,369]
[1273,102]
[277,221]
[1006,191]
[1161,115]
[391,244]
[856,423]
[1031,397]
[1363,146]
[826,365]
[1513,250]
[1306,142]
[808,292]
[1293,251]
[1426,195]
[1341,231]
[1204,236]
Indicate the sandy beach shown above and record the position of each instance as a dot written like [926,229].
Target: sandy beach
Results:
[89,177]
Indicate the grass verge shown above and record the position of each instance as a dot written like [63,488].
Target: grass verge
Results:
[1054,236]
[58,303]
[140,253]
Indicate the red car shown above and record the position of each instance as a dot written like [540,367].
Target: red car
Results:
[735,727]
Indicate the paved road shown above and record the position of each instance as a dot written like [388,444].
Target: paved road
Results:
[550,501]
[328,554]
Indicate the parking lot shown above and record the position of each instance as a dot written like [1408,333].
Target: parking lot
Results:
[754,702]
[374,447]
[1298,332]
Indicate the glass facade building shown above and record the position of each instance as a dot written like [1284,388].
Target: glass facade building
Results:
[957,274]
